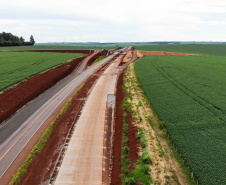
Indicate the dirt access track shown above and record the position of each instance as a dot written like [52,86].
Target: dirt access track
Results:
[17,97]
[161,53]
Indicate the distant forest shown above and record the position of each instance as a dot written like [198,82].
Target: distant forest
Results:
[8,39]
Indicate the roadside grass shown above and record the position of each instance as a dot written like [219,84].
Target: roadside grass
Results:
[141,173]
[162,132]
[99,59]
[136,85]
[141,136]
[40,144]
[154,123]
[19,66]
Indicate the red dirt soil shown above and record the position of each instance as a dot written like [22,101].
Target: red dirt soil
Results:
[117,142]
[133,142]
[15,98]
[159,53]
[41,169]
[104,52]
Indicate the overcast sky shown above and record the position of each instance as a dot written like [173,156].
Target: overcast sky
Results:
[115,20]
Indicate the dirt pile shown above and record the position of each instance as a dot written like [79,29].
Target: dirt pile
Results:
[128,56]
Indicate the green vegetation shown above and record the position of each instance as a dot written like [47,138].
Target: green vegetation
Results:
[141,173]
[37,46]
[8,39]
[188,95]
[206,49]
[141,136]
[40,144]
[17,66]
[99,59]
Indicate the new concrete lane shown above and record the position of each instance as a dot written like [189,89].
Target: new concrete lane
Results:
[11,147]
[83,160]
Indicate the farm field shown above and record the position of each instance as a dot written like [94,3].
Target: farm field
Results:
[17,66]
[36,47]
[188,93]
[205,49]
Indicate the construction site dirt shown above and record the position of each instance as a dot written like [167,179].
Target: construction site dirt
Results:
[133,142]
[18,96]
[116,168]
[102,53]
[41,169]
[159,53]
[15,98]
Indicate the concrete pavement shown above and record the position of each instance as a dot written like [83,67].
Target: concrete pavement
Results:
[83,160]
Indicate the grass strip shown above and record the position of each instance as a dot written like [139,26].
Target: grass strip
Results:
[99,59]
[141,174]
[40,144]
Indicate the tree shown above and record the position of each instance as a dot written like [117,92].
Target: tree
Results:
[21,39]
[8,39]
[32,40]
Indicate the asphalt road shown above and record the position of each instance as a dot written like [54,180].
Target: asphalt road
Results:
[17,131]
[14,122]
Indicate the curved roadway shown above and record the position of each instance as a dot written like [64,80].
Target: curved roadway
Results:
[25,128]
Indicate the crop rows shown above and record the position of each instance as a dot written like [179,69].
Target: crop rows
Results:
[188,94]
[61,46]
[207,49]
[17,66]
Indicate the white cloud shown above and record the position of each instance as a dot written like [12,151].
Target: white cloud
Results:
[118,20]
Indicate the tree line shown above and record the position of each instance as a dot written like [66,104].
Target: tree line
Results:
[8,39]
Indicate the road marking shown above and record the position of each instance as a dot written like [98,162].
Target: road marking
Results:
[67,89]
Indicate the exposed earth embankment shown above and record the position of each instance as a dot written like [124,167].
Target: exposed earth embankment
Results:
[17,97]
[159,53]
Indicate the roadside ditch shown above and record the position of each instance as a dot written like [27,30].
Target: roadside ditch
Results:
[154,162]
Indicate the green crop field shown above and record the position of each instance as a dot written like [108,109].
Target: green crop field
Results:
[206,49]
[51,46]
[188,93]
[17,66]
